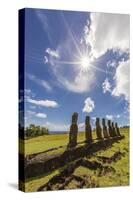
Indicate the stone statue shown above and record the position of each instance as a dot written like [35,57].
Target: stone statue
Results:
[98,129]
[88,130]
[117,130]
[73,131]
[113,130]
[105,131]
[110,131]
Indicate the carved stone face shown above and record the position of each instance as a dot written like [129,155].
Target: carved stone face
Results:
[97,121]
[115,124]
[109,123]
[74,118]
[103,122]
[87,120]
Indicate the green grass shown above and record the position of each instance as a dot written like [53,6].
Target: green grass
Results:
[119,177]
[32,185]
[43,143]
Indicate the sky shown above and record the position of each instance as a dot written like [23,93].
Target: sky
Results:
[75,62]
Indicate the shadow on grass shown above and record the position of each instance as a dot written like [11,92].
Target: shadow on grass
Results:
[54,162]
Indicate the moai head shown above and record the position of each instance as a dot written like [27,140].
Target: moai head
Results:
[74,118]
[109,122]
[87,120]
[97,121]
[112,124]
[116,125]
[103,122]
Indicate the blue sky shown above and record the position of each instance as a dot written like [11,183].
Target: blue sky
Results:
[76,62]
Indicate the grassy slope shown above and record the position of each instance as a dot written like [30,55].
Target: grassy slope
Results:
[43,143]
[120,177]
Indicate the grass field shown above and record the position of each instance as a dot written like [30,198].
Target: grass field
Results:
[118,175]
[43,143]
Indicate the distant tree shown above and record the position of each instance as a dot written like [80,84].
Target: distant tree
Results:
[33,131]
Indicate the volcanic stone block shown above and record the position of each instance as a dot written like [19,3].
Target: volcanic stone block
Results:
[113,130]
[98,129]
[73,131]
[117,130]
[88,130]
[105,130]
[110,131]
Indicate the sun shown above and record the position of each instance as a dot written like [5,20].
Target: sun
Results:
[85,63]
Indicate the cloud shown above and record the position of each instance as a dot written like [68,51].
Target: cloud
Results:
[122,80]
[29,114]
[81,125]
[69,75]
[106,86]
[101,32]
[43,83]
[53,53]
[27,91]
[45,59]
[81,83]
[111,64]
[89,105]
[118,116]
[56,127]
[41,115]
[107,31]
[109,117]
[45,103]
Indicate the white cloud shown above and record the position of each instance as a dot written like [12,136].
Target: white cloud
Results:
[81,125]
[73,79]
[43,83]
[118,116]
[106,86]
[45,103]
[46,85]
[111,64]
[57,127]
[27,91]
[89,105]
[122,80]
[45,59]
[29,112]
[82,82]
[53,53]
[110,117]
[108,31]
[41,115]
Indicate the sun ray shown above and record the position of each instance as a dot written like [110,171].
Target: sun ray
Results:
[71,35]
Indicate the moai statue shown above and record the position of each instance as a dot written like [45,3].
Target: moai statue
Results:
[110,128]
[113,130]
[88,130]
[117,130]
[73,131]
[98,129]
[105,131]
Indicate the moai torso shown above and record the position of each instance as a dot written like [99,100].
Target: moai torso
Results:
[98,129]
[110,131]
[117,130]
[113,130]
[105,131]
[73,131]
[88,130]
